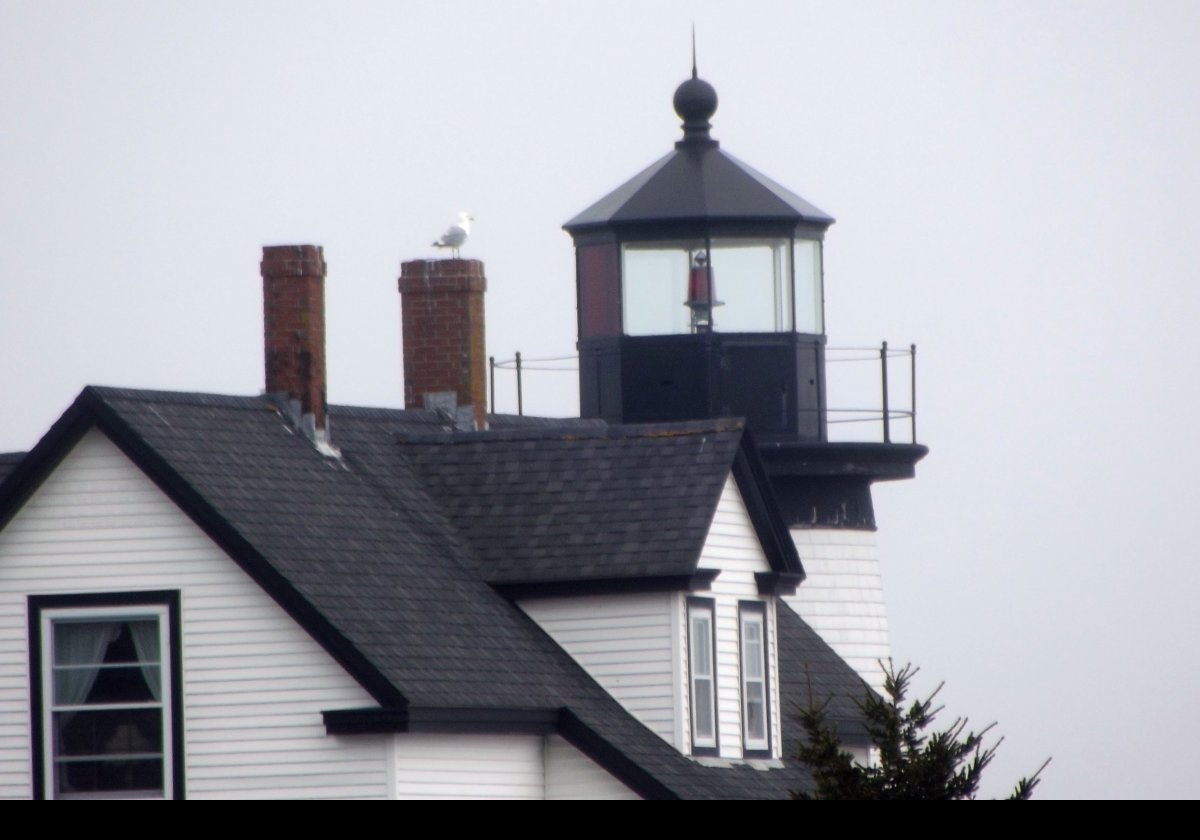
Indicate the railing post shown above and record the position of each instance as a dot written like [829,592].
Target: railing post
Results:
[887,429]
[912,381]
[492,381]
[520,399]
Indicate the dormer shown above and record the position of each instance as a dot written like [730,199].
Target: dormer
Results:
[651,554]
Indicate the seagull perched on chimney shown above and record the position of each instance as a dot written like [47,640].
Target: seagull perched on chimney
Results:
[456,235]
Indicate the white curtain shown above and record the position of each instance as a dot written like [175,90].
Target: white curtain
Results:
[145,641]
[81,645]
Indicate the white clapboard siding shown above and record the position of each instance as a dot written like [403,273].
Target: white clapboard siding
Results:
[733,547]
[254,682]
[842,596]
[469,766]
[572,775]
[624,641]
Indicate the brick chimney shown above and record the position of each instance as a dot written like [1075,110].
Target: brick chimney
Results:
[294,327]
[441,304]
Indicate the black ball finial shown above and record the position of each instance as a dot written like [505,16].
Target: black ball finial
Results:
[695,103]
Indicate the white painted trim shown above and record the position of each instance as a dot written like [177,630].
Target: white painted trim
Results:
[679,676]
[50,618]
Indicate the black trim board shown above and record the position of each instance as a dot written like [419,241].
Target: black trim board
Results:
[759,498]
[873,461]
[777,583]
[171,600]
[579,735]
[91,410]
[699,581]
[49,452]
[477,721]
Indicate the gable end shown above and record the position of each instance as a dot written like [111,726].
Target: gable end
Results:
[91,411]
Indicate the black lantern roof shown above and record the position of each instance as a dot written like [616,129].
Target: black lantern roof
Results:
[698,183]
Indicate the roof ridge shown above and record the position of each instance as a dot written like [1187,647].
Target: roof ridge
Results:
[687,428]
[107,393]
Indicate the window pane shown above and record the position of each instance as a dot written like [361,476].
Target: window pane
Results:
[123,776]
[111,684]
[753,284]
[810,316]
[654,280]
[752,648]
[756,708]
[108,732]
[704,709]
[83,642]
[701,649]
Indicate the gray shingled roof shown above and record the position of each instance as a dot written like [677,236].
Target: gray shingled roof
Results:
[362,550]
[577,505]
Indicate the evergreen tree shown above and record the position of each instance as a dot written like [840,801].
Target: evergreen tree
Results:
[911,763]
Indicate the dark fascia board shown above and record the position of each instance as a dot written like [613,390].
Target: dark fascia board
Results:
[476,721]
[40,461]
[91,410]
[699,581]
[873,461]
[628,772]
[777,583]
[760,503]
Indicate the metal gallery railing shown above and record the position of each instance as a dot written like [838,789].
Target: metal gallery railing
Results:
[853,388]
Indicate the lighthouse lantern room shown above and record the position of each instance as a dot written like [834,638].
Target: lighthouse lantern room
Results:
[700,291]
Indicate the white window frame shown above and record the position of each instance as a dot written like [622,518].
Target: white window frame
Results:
[755,676]
[702,684]
[49,612]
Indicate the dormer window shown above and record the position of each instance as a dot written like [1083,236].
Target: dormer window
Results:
[756,733]
[702,671]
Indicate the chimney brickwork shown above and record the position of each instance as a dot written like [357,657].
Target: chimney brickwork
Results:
[441,304]
[294,325]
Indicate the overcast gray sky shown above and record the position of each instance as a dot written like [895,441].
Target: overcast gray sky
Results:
[1016,192]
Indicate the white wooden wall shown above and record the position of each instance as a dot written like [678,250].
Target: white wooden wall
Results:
[498,767]
[469,766]
[254,682]
[842,597]
[626,643]
[733,547]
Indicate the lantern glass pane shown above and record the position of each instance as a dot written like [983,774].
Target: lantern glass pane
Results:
[753,285]
[810,297]
[654,282]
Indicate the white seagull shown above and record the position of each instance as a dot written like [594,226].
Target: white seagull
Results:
[456,235]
